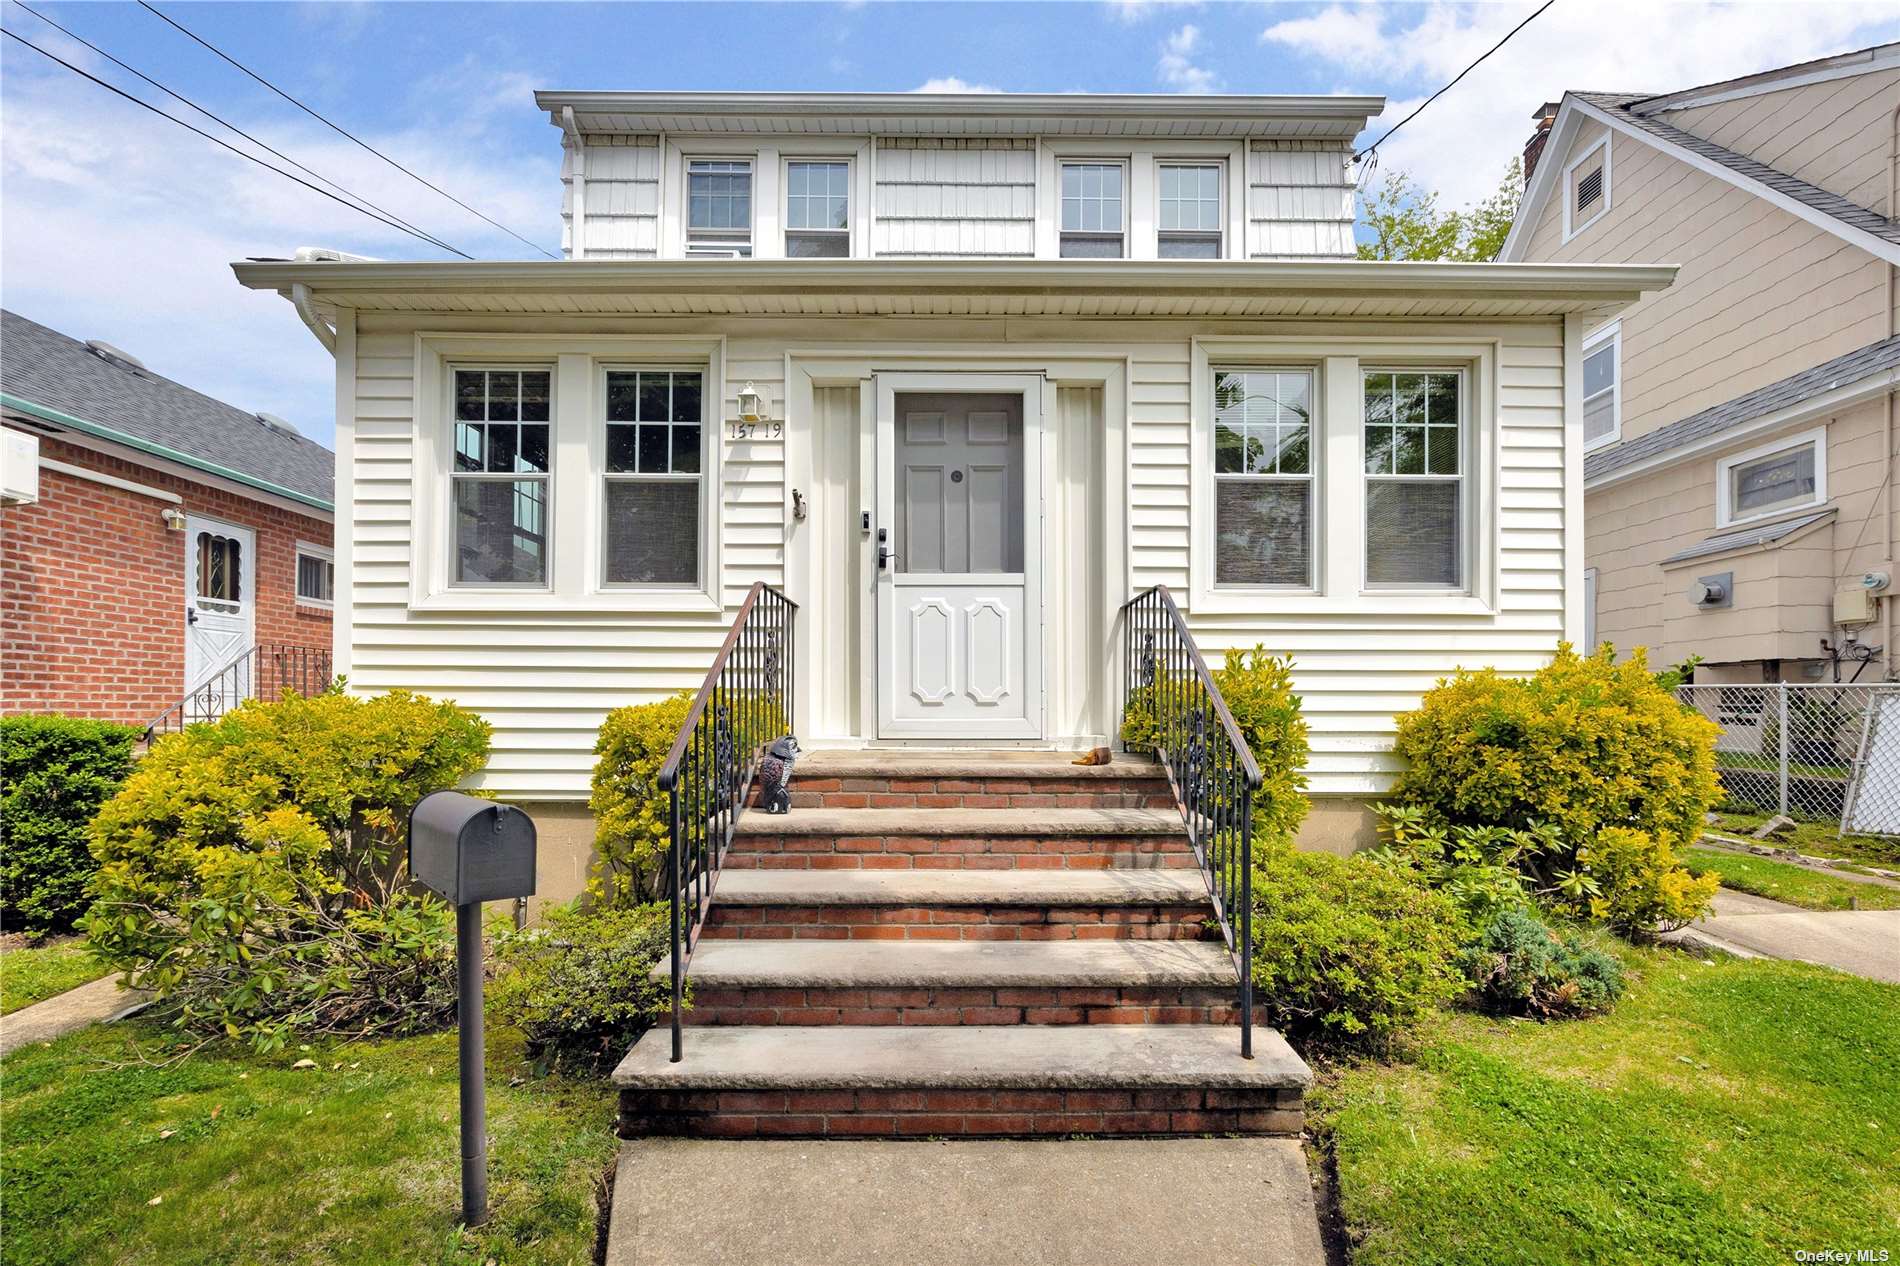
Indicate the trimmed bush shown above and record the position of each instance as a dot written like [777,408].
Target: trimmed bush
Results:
[57,772]
[631,824]
[250,872]
[1520,967]
[580,985]
[1584,746]
[1348,952]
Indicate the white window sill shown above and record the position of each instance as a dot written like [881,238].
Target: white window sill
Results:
[1591,446]
[657,601]
[312,604]
[1766,517]
[1261,602]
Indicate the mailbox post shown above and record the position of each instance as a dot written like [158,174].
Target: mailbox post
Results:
[467,851]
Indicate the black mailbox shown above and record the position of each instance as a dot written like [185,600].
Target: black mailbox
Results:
[468,850]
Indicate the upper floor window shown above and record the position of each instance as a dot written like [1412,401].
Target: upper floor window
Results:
[1788,474]
[1602,387]
[817,210]
[1189,225]
[1587,188]
[719,206]
[1415,464]
[1093,209]
[316,575]
[1263,477]
[500,478]
[655,443]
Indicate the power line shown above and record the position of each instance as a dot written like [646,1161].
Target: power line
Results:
[219,141]
[339,130]
[1368,150]
[392,216]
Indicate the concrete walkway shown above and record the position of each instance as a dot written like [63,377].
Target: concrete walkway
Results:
[1863,942]
[1103,1202]
[62,1013]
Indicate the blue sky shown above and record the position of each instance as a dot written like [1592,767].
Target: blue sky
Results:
[117,225]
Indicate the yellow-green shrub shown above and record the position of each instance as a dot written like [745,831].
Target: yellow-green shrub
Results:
[632,822]
[1641,885]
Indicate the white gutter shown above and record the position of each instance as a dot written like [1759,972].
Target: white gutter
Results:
[326,333]
[577,208]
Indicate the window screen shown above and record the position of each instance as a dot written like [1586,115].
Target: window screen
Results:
[1189,224]
[1599,392]
[1263,477]
[1414,423]
[655,446]
[1091,211]
[817,210]
[719,205]
[316,578]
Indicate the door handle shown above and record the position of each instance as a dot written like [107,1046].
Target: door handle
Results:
[191,615]
[884,558]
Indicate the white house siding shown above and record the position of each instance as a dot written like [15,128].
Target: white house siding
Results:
[1299,200]
[545,679]
[954,197]
[621,194]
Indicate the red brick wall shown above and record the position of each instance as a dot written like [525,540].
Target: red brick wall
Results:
[92,601]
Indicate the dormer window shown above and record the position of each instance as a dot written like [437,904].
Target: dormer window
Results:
[1092,211]
[719,206]
[1189,226]
[1586,188]
[817,210]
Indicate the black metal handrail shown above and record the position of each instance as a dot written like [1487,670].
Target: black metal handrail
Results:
[1179,712]
[744,705]
[265,671]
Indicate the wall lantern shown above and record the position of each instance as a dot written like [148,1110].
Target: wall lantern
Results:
[174,518]
[751,404]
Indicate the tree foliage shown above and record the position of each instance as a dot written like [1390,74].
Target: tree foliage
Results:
[1406,221]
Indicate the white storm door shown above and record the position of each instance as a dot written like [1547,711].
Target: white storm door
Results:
[959,520]
[220,601]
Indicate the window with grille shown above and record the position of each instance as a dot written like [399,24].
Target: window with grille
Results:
[1263,477]
[1415,467]
[719,206]
[817,210]
[220,572]
[500,476]
[1092,211]
[654,482]
[1188,224]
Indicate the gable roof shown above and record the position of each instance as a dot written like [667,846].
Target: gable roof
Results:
[1712,425]
[57,379]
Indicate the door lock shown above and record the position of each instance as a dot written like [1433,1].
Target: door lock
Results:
[884,555]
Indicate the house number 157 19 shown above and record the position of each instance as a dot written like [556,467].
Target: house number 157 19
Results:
[754,430]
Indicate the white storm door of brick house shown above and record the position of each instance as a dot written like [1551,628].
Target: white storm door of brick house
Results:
[959,593]
[220,598]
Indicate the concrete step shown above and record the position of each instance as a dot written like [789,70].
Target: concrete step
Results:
[974,1081]
[960,838]
[941,780]
[909,982]
[970,905]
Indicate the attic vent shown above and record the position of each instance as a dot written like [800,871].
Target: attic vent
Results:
[1589,188]
[106,351]
[277,424]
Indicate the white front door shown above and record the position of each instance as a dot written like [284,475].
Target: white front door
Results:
[220,600]
[959,547]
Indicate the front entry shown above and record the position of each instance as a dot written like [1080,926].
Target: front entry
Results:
[220,599]
[958,557]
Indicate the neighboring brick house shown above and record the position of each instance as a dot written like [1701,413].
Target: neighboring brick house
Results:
[150,536]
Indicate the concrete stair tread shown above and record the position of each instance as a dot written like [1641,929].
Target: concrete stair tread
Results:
[963,823]
[1111,964]
[972,1057]
[999,765]
[1088,888]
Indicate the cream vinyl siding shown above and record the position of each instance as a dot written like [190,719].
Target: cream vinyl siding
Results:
[622,196]
[1833,134]
[1761,294]
[953,197]
[1299,200]
[545,678]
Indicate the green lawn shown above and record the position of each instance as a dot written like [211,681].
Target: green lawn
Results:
[1784,881]
[1817,839]
[1748,760]
[1731,1112]
[35,972]
[230,1157]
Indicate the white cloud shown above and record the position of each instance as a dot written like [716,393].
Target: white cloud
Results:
[1176,67]
[1132,11]
[950,83]
[1462,144]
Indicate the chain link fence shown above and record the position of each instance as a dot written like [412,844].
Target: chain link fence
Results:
[1818,753]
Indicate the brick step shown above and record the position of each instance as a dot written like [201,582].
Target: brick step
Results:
[961,839]
[967,905]
[894,780]
[975,1081]
[920,1005]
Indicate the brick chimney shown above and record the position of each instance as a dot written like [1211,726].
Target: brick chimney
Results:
[1543,117]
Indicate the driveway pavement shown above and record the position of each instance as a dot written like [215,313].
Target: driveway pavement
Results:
[1864,942]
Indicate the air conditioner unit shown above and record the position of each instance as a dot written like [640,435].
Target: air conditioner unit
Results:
[19,468]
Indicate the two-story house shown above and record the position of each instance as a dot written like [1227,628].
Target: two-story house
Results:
[1739,477]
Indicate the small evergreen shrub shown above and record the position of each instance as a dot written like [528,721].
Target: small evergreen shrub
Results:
[1518,966]
[56,772]
[580,985]
[1476,866]
[250,871]
[1583,747]
[632,826]
[1349,952]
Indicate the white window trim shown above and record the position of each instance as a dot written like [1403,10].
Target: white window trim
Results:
[1725,515]
[756,159]
[1127,166]
[578,458]
[708,502]
[1339,552]
[1612,333]
[1223,177]
[328,555]
[1466,461]
[849,232]
[1315,478]
[1568,189]
[1589,611]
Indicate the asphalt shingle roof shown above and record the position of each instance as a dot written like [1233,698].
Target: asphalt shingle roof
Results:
[49,369]
[1741,538]
[1789,391]
[1832,204]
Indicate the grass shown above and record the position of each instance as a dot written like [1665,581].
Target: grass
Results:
[1784,881]
[33,973]
[1818,839]
[1726,1112]
[1749,760]
[229,1156]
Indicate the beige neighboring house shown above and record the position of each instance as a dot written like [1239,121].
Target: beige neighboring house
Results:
[1739,476]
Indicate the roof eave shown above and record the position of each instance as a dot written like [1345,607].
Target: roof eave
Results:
[969,105]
